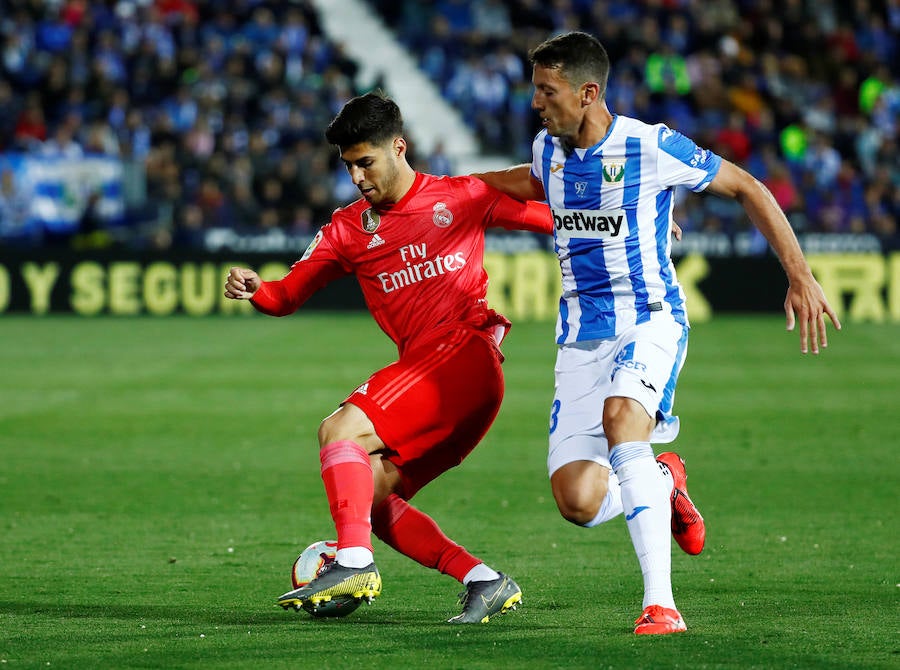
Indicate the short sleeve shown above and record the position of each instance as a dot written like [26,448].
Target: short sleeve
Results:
[682,163]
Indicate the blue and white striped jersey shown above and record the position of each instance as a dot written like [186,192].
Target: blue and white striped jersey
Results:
[612,210]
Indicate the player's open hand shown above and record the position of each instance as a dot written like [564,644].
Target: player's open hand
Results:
[241,284]
[807,301]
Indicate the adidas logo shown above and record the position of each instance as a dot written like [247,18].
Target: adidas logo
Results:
[376,242]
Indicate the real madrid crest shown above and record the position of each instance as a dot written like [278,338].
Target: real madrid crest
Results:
[370,220]
[442,216]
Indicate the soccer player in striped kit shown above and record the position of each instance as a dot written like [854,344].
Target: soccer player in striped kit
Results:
[415,242]
[622,329]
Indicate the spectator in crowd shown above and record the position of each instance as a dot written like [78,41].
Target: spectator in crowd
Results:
[439,163]
[31,128]
[15,210]
[10,107]
[64,143]
[780,182]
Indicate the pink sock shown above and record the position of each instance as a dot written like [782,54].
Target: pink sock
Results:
[415,534]
[347,475]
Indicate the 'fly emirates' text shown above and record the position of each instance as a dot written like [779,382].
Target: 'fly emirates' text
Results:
[419,268]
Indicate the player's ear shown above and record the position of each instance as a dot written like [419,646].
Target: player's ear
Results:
[399,146]
[590,93]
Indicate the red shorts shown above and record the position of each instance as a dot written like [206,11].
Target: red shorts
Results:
[431,407]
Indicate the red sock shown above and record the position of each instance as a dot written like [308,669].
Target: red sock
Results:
[415,534]
[347,475]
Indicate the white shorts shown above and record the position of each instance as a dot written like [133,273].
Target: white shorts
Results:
[642,363]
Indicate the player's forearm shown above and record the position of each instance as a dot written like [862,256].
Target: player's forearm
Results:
[272,299]
[286,295]
[514,181]
[767,216]
[765,213]
[529,215]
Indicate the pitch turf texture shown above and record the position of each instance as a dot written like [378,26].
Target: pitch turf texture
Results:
[159,476]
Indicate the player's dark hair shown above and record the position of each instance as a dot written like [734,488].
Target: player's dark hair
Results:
[579,57]
[372,118]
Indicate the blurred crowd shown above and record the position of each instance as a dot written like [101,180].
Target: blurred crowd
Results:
[803,93]
[220,108]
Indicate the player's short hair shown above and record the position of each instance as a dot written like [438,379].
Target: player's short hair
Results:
[579,57]
[373,118]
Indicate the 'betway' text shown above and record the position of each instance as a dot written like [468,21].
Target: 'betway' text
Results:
[593,223]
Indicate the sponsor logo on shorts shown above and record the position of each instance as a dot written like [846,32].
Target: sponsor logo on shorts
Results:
[648,385]
[625,359]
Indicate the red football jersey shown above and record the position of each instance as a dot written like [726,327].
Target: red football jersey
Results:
[419,263]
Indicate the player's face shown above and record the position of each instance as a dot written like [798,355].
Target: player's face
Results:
[557,102]
[376,170]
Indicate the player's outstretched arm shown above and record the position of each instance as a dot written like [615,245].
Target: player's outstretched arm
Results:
[241,284]
[515,181]
[805,301]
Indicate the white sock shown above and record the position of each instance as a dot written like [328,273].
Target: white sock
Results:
[667,475]
[354,557]
[648,513]
[611,506]
[480,573]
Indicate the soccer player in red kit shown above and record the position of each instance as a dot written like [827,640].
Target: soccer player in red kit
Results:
[416,244]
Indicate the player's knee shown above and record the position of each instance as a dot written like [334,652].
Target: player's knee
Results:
[579,506]
[578,511]
[579,488]
[349,423]
[329,428]
[580,515]
[625,419]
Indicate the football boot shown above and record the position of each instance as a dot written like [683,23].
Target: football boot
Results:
[688,527]
[658,620]
[482,600]
[335,580]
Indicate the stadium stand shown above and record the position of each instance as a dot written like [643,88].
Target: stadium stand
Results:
[804,94]
[196,114]
[214,110]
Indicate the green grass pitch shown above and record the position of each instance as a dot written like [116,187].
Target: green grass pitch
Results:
[159,476]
